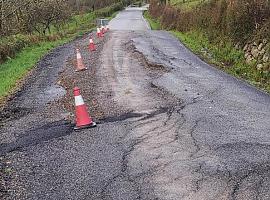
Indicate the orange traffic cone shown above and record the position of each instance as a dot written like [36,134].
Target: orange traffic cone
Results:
[80,65]
[98,32]
[92,46]
[83,120]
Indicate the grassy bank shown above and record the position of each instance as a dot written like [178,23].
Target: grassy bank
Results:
[28,50]
[221,54]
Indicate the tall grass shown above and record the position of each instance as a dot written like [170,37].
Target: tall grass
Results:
[237,19]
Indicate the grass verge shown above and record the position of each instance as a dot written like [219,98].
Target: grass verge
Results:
[154,24]
[12,71]
[222,54]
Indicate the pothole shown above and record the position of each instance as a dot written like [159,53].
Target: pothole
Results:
[140,56]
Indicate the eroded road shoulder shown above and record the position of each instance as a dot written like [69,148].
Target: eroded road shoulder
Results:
[39,114]
[52,162]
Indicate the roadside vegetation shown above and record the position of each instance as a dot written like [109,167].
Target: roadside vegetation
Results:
[220,31]
[187,4]
[154,23]
[29,29]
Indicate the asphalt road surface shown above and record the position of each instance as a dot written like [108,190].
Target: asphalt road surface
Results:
[174,127]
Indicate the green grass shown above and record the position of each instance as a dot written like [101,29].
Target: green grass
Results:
[221,54]
[154,24]
[188,4]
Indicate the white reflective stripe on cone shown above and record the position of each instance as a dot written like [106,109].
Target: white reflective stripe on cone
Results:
[79,56]
[79,100]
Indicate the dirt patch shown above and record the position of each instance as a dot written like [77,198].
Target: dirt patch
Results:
[100,100]
[85,80]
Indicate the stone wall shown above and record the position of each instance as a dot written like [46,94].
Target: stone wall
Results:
[258,53]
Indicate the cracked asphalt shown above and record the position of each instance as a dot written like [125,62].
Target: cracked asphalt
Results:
[170,126]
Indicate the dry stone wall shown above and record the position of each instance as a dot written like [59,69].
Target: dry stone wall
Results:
[258,53]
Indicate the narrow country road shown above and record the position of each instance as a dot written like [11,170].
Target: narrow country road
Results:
[170,126]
